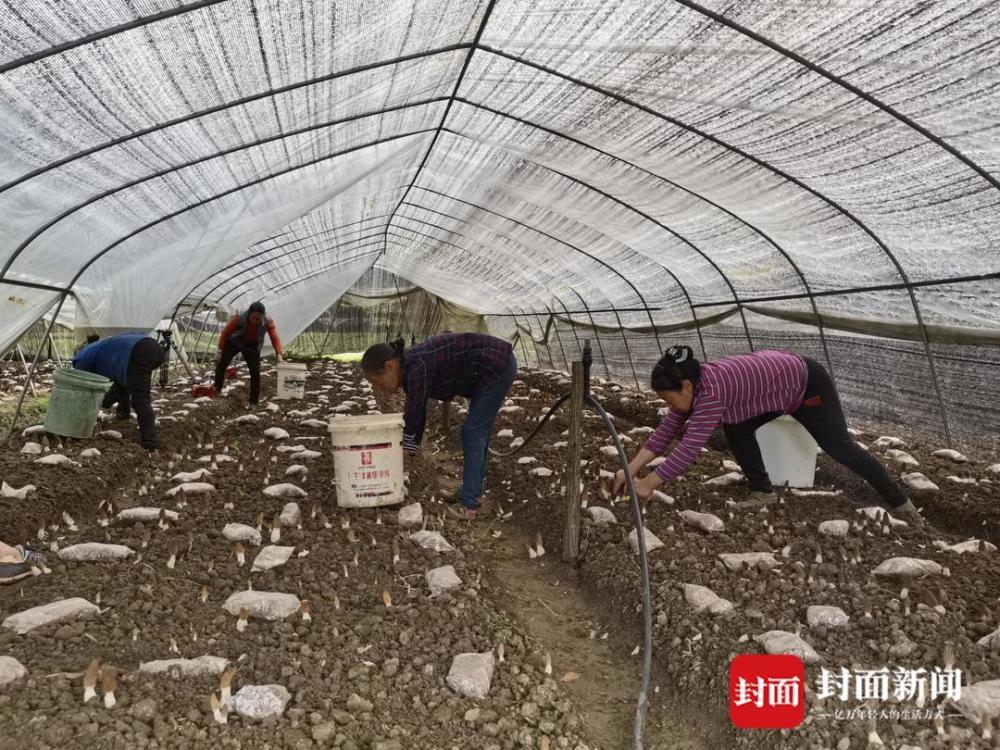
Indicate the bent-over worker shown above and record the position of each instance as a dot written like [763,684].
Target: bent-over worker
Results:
[479,367]
[741,393]
[128,360]
[244,334]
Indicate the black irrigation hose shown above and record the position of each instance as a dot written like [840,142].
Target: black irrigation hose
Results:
[647,606]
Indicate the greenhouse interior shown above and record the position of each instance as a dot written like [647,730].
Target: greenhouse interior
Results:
[500,374]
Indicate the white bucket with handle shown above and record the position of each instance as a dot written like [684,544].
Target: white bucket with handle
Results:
[368,460]
[789,452]
[291,380]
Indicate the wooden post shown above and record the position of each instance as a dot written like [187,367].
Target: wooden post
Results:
[571,531]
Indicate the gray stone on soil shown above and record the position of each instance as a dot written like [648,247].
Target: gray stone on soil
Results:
[979,701]
[471,674]
[145,709]
[284,489]
[652,541]
[387,745]
[783,642]
[600,515]
[271,556]
[11,671]
[442,579]
[896,567]
[202,666]
[919,485]
[264,605]
[432,540]
[834,528]
[95,552]
[240,532]
[261,701]
[144,513]
[75,608]
[818,616]
[736,560]
[191,488]
[410,515]
[324,732]
[33,449]
[704,521]
[291,515]
[703,599]
[358,705]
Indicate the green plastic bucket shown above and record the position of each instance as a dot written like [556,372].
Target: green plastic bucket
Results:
[74,402]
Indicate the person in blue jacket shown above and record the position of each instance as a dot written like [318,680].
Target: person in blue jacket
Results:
[128,361]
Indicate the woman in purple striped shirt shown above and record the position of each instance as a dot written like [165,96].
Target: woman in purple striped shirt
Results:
[742,393]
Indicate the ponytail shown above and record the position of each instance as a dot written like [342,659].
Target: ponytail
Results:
[376,356]
[675,366]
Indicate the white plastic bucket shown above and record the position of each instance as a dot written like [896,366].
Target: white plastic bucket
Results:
[291,380]
[789,452]
[368,460]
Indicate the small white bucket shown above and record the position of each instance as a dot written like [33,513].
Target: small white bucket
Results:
[291,380]
[789,452]
[368,460]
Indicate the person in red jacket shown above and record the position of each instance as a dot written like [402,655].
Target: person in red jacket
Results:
[244,334]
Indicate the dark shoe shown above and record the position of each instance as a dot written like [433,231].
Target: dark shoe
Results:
[758,499]
[908,512]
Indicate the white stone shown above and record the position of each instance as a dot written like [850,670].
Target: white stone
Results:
[110,434]
[295,470]
[902,457]
[191,488]
[559,444]
[782,642]
[994,469]
[33,431]
[290,448]
[431,540]
[704,521]
[961,480]
[8,492]
[285,489]
[291,515]
[919,483]
[834,528]
[815,493]
[736,560]
[601,516]
[190,476]
[11,671]
[265,605]
[90,453]
[95,552]
[202,666]
[641,431]
[889,442]
[276,433]
[247,419]
[240,532]
[951,455]
[826,617]
[991,641]
[970,545]
[271,557]
[979,701]
[541,471]
[651,540]
[410,515]
[525,460]
[261,702]
[609,450]
[306,455]
[75,608]
[663,497]
[32,449]
[144,514]
[731,466]
[733,477]
[895,567]
[313,423]
[704,599]
[516,443]
[442,579]
[505,434]
[55,459]
[471,674]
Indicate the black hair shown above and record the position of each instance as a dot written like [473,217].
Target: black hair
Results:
[256,307]
[675,366]
[376,356]
[93,337]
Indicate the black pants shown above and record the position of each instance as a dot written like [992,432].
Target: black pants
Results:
[146,356]
[823,417]
[251,355]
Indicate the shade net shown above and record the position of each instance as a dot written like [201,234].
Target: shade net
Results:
[818,177]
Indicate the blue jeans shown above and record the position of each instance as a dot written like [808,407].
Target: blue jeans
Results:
[483,409]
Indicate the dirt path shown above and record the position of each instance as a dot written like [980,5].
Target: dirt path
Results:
[547,601]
